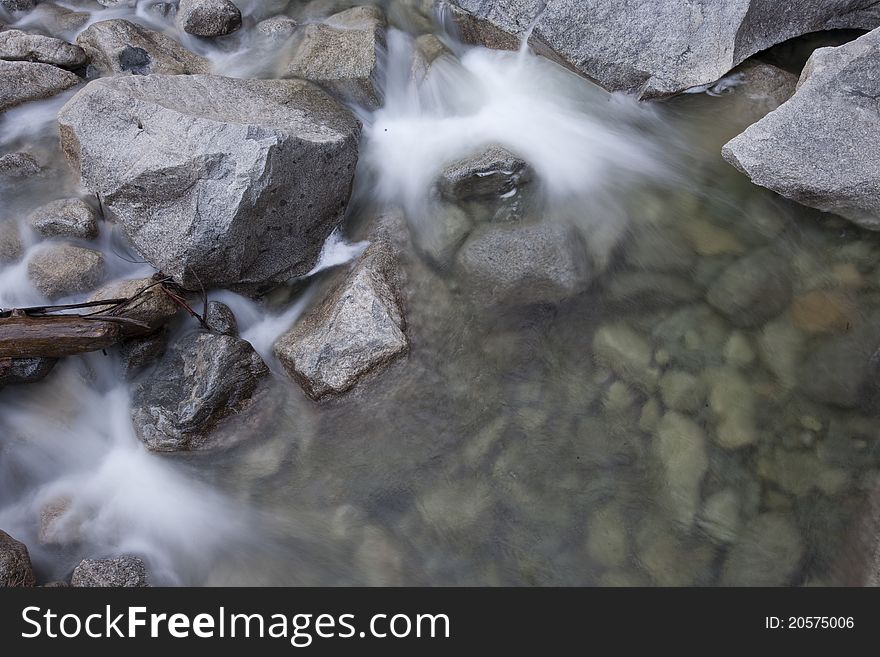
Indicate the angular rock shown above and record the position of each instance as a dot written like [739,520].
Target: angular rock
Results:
[652,49]
[754,289]
[18,45]
[15,563]
[681,449]
[526,263]
[15,371]
[216,181]
[22,82]
[796,151]
[121,572]
[490,173]
[768,553]
[359,328]
[59,270]
[203,380]
[72,218]
[149,303]
[117,47]
[221,319]
[208,18]
[342,54]
[427,49]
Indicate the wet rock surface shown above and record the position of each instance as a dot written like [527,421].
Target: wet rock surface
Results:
[18,45]
[15,371]
[202,380]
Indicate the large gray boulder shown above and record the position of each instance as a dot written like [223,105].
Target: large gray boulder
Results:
[357,329]
[654,49]
[22,82]
[21,46]
[203,380]
[118,47]
[342,54]
[15,371]
[525,263]
[121,572]
[208,18]
[216,181]
[799,150]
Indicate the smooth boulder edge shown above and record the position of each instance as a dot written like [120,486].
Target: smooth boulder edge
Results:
[651,49]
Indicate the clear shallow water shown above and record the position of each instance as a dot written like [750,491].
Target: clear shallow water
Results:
[512,445]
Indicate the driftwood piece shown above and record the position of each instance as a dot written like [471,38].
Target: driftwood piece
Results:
[54,336]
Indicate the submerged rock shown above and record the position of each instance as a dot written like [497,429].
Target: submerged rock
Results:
[15,371]
[208,18]
[796,151]
[652,49]
[72,218]
[18,45]
[761,88]
[58,20]
[841,370]
[118,47]
[15,563]
[681,449]
[489,173]
[342,54]
[204,379]
[525,263]
[59,270]
[768,553]
[359,328]
[627,354]
[121,572]
[216,181]
[754,289]
[22,82]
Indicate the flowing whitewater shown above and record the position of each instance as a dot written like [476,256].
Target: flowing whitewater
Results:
[613,422]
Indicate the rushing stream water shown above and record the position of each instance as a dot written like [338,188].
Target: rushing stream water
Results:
[509,447]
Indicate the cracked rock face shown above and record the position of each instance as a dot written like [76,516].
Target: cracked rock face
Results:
[653,49]
[216,181]
[836,107]
[18,45]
